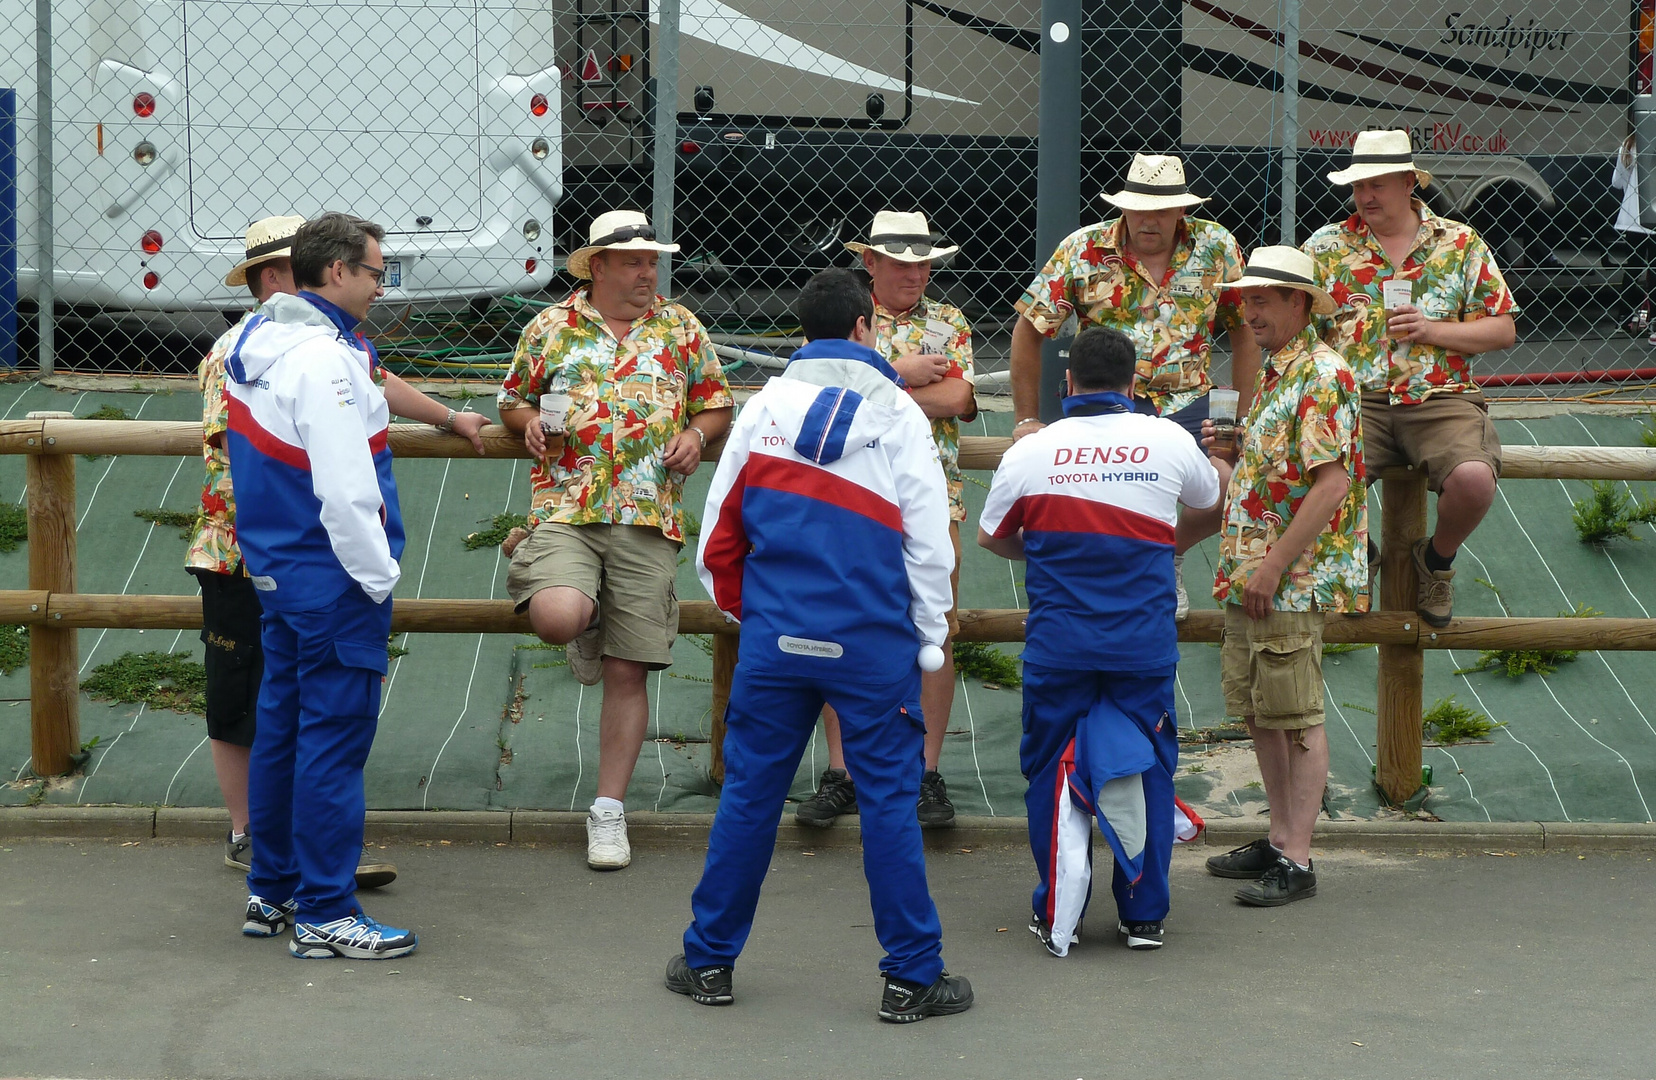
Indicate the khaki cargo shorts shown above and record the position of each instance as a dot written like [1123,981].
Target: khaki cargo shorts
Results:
[628,569]
[1437,435]
[1271,670]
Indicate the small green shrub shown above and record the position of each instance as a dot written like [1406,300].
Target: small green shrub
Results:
[14,648]
[157,679]
[1610,513]
[1340,648]
[1648,435]
[1515,662]
[1448,722]
[393,650]
[982,660]
[14,526]
[105,412]
[185,521]
[496,532]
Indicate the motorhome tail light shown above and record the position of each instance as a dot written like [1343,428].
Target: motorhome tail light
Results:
[688,147]
[144,153]
[531,230]
[151,243]
[151,279]
[540,148]
[538,105]
[529,266]
[144,104]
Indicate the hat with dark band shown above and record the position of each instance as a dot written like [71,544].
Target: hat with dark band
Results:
[904,237]
[268,238]
[617,230]
[1154,182]
[1284,268]
[1379,153]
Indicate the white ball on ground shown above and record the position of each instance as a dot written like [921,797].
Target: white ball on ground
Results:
[931,658]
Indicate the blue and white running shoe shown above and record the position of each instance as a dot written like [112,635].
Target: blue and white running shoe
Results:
[356,937]
[265,919]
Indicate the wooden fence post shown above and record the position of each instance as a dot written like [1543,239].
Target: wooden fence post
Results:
[54,653]
[1402,667]
[725,647]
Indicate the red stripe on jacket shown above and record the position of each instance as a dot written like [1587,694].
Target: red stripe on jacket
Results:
[1068,514]
[727,548]
[799,478]
[243,424]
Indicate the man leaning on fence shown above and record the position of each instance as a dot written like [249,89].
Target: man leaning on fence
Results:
[1091,504]
[230,606]
[1412,353]
[1155,274]
[929,343]
[320,532]
[638,395]
[1293,549]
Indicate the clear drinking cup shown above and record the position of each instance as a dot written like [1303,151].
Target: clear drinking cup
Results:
[1394,293]
[1222,411]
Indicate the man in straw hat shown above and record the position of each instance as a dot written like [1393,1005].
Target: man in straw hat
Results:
[633,392]
[1418,295]
[229,603]
[1091,504]
[929,343]
[1155,274]
[1293,547]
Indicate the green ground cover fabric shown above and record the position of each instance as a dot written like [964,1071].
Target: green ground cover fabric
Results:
[492,722]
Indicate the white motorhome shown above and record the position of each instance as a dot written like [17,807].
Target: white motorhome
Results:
[178,122]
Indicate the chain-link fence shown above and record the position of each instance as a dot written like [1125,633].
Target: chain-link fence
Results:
[485,135]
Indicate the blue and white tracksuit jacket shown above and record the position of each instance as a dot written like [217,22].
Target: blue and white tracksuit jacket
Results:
[1096,498]
[320,531]
[826,535]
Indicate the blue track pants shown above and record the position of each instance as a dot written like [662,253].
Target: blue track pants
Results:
[768,723]
[318,710]
[1099,745]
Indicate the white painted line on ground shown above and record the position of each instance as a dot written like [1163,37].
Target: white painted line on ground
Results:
[166,800]
[148,533]
[1462,774]
[419,586]
[80,796]
[1328,695]
[971,724]
[580,699]
[663,789]
[137,415]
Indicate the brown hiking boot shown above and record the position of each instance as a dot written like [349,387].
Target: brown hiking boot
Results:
[1436,599]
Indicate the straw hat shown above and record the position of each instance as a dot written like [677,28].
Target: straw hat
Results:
[1286,268]
[617,230]
[1376,153]
[1154,182]
[268,238]
[904,237]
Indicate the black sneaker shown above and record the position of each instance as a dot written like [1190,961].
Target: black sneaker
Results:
[935,809]
[238,854]
[904,1002]
[708,985]
[1281,884]
[1043,930]
[835,795]
[1247,861]
[1141,935]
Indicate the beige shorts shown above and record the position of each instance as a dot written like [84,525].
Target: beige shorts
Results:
[628,569]
[1271,670]
[1437,435]
[954,583]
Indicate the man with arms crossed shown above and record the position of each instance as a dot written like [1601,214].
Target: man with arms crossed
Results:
[1092,504]
[929,343]
[321,532]
[1156,275]
[827,538]
[646,396]
[1421,407]
[1293,548]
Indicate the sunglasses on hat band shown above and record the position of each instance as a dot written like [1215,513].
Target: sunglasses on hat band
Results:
[629,232]
[894,244]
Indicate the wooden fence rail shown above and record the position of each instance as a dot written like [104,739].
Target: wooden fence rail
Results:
[54,611]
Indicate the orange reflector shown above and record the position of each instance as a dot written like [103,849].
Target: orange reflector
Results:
[151,279]
[538,105]
[529,266]
[144,104]
[150,244]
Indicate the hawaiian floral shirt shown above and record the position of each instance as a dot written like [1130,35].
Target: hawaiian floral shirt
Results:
[629,398]
[214,546]
[932,326]
[1171,321]
[1305,413]
[1454,277]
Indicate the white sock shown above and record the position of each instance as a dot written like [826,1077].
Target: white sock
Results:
[602,806]
[236,837]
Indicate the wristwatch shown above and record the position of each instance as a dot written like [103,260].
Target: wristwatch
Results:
[447,424]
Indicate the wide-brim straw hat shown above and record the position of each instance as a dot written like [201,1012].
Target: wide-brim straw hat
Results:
[1377,153]
[1154,182]
[904,237]
[617,230]
[1284,268]
[268,238]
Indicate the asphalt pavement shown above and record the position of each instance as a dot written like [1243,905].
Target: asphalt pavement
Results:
[123,958]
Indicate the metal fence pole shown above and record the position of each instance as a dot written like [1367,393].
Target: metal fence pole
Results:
[665,68]
[1058,187]
[43,178]
[1290,121]
[8,228]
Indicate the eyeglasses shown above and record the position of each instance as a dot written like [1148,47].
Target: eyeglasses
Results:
[377,271]
[896,245]
[629,232]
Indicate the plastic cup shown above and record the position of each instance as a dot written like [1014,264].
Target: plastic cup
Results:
[1222,411]
[1394,293]
[554,412]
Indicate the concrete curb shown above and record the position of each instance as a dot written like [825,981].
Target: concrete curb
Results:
[647,829]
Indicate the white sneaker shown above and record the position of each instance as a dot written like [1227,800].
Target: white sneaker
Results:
[1181,605]
[586,656]
[607,847]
